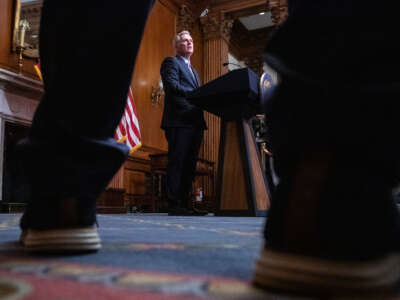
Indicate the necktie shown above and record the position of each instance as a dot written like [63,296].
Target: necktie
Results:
[191,71]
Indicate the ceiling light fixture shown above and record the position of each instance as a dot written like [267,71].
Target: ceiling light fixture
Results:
[262,13]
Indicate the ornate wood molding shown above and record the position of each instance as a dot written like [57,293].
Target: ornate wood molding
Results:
[236,5]
[171,5]
[186,18]
[189,12]
[247,11]
[216,25]
[249,45]
[279,10]
[21,85]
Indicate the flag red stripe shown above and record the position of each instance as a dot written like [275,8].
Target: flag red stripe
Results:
[123,126]
[130,121]
[132,124]
[129,136]
[129,125]
[132,104]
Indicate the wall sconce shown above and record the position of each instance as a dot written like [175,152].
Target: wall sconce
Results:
[23,26]
[157,93]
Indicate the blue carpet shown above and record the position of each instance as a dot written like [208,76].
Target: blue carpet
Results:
[144,257]
[217,246]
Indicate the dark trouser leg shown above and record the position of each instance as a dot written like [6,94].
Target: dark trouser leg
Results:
[183,148]
[333,227]
[173,169]
[190,164]
[88,50]
[337,162]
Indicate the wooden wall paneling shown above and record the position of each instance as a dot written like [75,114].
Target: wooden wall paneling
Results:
[112,199]
[155,46]
[117,182]
[6,11]
[136,176]
[136,182]
[171,5]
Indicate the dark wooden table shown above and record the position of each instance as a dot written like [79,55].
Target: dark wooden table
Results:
[158,170]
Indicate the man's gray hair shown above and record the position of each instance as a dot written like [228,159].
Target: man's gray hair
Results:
[178,37]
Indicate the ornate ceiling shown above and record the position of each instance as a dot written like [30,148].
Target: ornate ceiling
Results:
[233,8]
[246,45]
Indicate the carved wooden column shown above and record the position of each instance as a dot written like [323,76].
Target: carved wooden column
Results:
[186,19]
[189,14]
[249,45]
[216,32]
[279,10]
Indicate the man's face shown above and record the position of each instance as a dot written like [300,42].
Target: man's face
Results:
[185,46]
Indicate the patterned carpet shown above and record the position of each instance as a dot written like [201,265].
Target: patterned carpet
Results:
[47,279]
[150,256]
[144,257]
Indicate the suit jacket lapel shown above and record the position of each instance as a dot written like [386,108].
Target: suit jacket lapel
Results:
[185,67]
[198,83]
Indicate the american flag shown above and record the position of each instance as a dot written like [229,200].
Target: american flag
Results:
[128,131]
[38,71]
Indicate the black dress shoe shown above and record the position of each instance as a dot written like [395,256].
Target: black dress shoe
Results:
[185,212]
[179,211]
[199,212]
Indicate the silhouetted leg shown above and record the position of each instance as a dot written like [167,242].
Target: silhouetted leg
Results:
[88,51]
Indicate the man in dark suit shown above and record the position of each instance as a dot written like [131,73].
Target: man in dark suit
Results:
[183,124]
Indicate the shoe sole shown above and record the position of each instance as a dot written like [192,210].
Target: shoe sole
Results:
[289,273]
[85,239]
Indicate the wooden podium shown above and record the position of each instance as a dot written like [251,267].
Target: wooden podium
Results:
[242,188]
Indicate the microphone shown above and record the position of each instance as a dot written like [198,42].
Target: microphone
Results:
[233,64]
